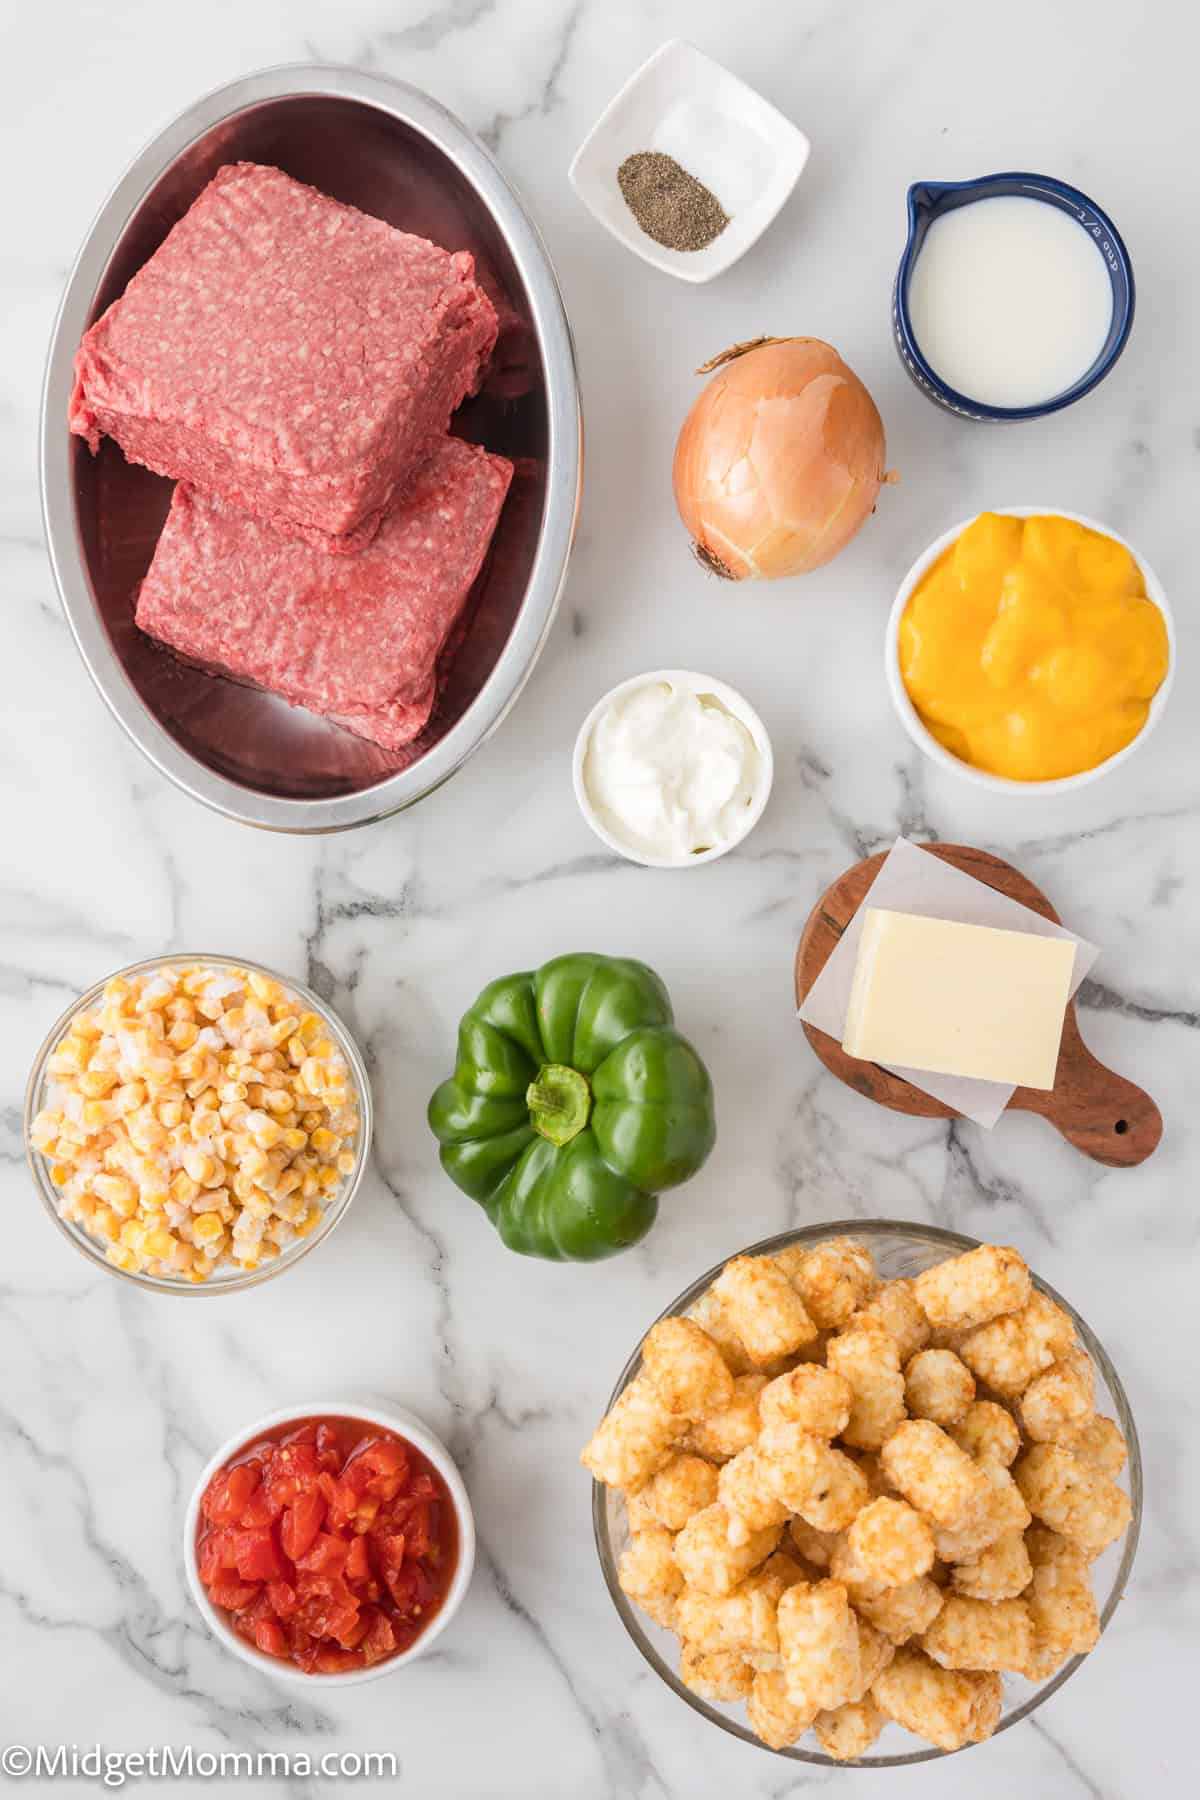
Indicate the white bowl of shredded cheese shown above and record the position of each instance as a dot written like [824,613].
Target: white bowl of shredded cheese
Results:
[672,768]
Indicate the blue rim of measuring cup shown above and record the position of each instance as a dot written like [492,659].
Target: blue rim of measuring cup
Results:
[926,200]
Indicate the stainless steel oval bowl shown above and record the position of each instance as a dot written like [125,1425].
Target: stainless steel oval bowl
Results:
[394,152]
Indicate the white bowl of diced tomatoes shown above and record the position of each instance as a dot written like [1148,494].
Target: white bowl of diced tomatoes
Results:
[332,1542]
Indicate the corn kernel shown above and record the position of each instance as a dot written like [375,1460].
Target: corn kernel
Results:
[324,1142]
[345,1163]
[183,1188]
[145,1132]
[60,1174]
[207,1228]
[327,1178]
[294,1139]
[96,1083]
[312,1074]
[121,1256]
[133,1235]
[183,1034]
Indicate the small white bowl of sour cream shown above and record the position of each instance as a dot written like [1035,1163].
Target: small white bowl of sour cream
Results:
[672,769]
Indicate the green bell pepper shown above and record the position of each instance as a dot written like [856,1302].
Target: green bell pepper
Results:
[574,1103]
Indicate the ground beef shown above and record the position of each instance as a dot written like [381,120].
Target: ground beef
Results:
[286,352]
[356,638]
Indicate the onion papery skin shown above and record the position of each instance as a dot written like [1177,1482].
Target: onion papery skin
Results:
[779,461]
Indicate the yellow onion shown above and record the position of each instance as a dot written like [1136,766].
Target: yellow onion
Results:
[779,461]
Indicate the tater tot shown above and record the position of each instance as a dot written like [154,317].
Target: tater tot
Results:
[969,1290]
[810,1396]
[683,1486]
[988,1433]
[722,1434]
[698,1619]
[894,1307]
[1004,1510]
[1073,1497]
[833,1280]
[868,1461]
[875,1652]
[1101,1442]
[892,1542]
[816,1547]
[649,1574]
[712,1317]
[715,1674]
[900,1612]
[869,1360]
[787,1569]
[1059,1403]
[946,1707]
[774,1716]
[933,1474]
[1010,1352]
[686,1368]
[938,1385]
[848,1731]
[707,1559]
[979,1634]
[811,1478]
[763,1308]
[1001,1571]
[1062,1608]
[747,1495]
[818,1640]
[634,1440]
[746,1617]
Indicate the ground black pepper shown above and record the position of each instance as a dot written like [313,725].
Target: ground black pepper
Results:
[670,205]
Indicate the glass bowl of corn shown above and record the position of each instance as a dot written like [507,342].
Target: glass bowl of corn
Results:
[197,1123]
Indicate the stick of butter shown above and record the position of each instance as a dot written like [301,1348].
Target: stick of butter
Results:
[959,999]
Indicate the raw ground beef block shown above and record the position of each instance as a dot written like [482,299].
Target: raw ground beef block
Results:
[354,637]
[286,352]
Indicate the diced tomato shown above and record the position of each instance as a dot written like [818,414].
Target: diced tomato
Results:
[227,1494]
[303,1434]
[268,1635]
[327,1555]
[358,1563]
[216,1555]
[301,1523]
[336,1662]
[293,1470]
[260,1510]
[283,1598]
[349,1627]
[232,1595]
[412,1518]
[258,1557]
[380,1469]
[390,1550]
[411,1588]
[380,1639]
[329,1453]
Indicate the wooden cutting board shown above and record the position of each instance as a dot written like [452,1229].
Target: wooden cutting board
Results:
[1097,1110]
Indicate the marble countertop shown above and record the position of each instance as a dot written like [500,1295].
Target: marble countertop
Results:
[113,1399]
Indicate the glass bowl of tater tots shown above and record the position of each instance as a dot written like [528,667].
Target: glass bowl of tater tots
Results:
[197,1123]
[867,1493]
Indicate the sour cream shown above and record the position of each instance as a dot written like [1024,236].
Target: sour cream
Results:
[670,772]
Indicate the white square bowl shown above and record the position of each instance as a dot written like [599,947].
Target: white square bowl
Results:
[686,105]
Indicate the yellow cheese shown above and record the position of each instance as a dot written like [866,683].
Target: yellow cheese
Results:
[958,999]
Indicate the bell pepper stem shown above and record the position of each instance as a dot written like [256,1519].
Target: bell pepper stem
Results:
[559,1101]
